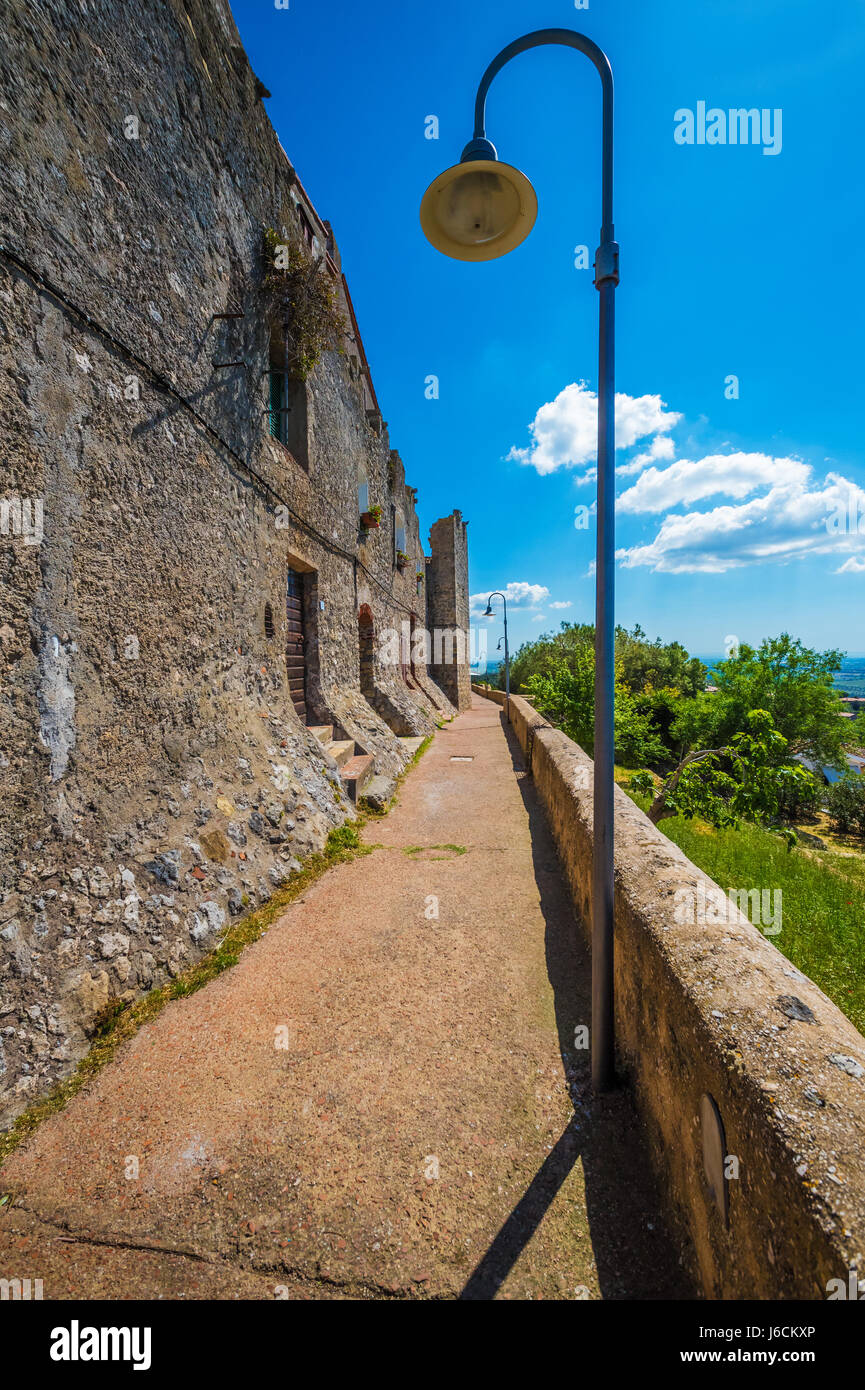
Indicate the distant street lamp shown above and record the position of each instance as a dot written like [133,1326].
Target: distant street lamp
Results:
[476,211]
[489,614]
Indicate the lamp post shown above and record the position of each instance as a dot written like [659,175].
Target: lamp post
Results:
[478,210]
[488,614]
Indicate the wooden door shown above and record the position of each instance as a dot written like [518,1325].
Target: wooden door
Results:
[366,637]
[295,659]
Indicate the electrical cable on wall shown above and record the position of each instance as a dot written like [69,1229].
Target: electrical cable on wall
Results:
[164,384]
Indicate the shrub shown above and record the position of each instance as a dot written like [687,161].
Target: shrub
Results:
[799,799]
[846,805]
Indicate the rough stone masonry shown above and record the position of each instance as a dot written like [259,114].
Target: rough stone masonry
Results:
[163,545]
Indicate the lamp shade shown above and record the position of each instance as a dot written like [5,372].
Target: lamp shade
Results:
[478,210]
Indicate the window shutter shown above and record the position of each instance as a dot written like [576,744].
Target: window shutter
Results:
[276,403]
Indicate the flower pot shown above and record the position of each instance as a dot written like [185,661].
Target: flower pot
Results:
[369,521]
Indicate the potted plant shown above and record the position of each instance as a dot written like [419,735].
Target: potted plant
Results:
[371,520]
[419,578]
[401,559]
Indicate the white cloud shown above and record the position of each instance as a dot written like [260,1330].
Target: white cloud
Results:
[518,593]
[565,431]
[560,604]
[730,475]
[538,618]
[766,509]
[794,519]
[660,448]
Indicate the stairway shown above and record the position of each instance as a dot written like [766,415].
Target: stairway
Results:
[355,769]
[411,743]
[357,772]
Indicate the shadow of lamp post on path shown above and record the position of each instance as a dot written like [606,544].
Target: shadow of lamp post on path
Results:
[479,210]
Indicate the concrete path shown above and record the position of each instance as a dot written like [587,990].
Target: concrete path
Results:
[380,1100]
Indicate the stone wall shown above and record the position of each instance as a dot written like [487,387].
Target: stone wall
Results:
[156,778]
[712,1021]
[448,607]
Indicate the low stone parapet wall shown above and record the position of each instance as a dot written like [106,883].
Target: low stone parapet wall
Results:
[750,1080]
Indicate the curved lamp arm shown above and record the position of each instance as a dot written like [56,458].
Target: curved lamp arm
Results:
[569,38]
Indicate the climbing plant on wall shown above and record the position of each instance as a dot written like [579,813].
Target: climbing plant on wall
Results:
[303,298]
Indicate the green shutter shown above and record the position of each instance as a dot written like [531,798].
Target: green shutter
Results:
[276,399]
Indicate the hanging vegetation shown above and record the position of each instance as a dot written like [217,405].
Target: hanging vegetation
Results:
[303,299]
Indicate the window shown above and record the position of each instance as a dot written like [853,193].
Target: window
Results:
[277,412]
[306,228]
[362,491]
[269,629]
[287,403]
[398,534]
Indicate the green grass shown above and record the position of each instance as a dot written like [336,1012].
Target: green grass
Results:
[852,866]
[413,850]
[823,904]
[368,811]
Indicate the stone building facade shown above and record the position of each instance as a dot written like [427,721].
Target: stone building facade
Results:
[192,681]
[448,607]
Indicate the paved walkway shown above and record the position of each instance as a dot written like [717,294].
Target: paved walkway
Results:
[377,1101]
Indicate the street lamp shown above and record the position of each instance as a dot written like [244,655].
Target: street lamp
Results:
[488,614]
[478,210]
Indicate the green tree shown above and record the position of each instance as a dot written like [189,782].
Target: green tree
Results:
[648,666]
[546,652]
[565,694]
[855,731]
[746,779]
[663,707]
[846,804]
[791,682]
[643,665]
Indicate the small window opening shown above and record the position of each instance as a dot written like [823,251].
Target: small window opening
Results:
[269,629]
[287,412]
[306,228]
[277,416]
[398,536]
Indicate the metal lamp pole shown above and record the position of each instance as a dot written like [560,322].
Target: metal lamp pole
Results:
[481,209]
[488,614]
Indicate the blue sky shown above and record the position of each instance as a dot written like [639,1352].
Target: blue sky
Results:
[734,263]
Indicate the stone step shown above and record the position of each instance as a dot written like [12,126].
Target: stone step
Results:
[356,773]
[410,743]
[340,750]
[323,732]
